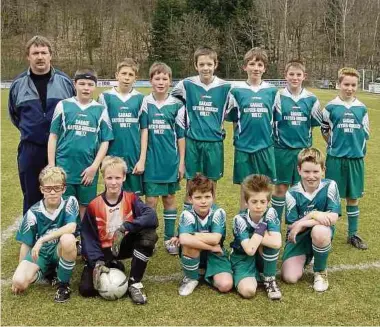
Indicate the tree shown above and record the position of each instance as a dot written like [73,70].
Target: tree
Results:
[186,35]
[166,13]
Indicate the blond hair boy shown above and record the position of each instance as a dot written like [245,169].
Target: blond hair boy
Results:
[312,210]
[46,236]
[117,225]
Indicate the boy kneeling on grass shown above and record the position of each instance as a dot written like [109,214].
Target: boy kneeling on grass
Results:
[46,236]
[202,230]
[257,240]
[117,225]
[312,209]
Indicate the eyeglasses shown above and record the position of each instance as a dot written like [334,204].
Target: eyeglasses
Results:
[56,188]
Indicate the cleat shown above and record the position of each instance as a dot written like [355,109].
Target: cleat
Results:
[63,293]
[171,248]
[187,286]
[136,292]
[272,288]
[321,283]
[357,242]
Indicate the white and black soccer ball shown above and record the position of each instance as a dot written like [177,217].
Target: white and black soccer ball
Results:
[113,285]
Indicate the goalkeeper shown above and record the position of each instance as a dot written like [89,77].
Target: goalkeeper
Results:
[117,225]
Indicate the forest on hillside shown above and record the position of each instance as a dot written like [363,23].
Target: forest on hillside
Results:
[326,34]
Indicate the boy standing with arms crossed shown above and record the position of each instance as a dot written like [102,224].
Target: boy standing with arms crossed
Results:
[165,146]
[312,210]
[252,108]
[46,236]
[205,97]
[79,135]
[300,110]
[123,104]
[257,240]
[345,127]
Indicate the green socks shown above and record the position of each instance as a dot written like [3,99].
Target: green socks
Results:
[353,219]
[270,257]
[190,266]
[278,204]
[65,270]
[320,257]
[169,223]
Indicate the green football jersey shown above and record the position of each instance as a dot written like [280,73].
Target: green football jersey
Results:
[164,129]
[205,107]
[253,109]
[38,222]
[348,125]
[214,222]
[80,130]
[299,203]
[299,114]
[125,114]
[243,227]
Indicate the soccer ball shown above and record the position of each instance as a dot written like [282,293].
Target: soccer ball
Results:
[113,285]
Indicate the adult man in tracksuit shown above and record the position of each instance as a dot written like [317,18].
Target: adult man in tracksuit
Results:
[32,99]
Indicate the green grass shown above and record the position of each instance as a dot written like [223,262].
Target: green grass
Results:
[353,297]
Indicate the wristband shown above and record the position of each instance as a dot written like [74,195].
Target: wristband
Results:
[261,228]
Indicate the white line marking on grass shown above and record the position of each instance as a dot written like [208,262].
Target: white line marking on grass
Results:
[362,266]
[163,279]
[5,235]
[178,276]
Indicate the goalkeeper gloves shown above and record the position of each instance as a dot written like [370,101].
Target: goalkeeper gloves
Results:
[99,269]
[117,239]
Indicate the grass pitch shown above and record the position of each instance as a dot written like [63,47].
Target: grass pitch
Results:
[352,299]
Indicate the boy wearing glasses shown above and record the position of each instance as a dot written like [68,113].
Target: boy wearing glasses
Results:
[46,236]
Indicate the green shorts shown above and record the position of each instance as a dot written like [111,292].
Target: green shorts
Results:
[245,266]
[204,157]
[160,189]
[84,194]
[134,183]
[216,264]
[260,162]
[303,246]
[286,165]
[46,259]
[348,174]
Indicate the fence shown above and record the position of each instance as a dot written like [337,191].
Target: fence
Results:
[146,83]
[320,84]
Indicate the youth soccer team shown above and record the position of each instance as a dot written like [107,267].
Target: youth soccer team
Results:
[144,145]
